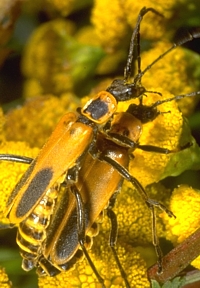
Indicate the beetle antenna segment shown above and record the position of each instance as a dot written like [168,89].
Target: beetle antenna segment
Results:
[136,38]
[159,102]
[182,39]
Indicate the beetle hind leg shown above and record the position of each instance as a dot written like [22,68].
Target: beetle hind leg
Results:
[81,231]
[46,268]
[113,237]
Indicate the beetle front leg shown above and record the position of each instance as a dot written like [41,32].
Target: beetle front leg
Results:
[151,148]
[151,203]
[81,230]
[126,175]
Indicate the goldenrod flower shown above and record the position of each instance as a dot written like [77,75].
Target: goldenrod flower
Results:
[66,7]
[42,57]
[55,61]
[185,203]
[82,275]
[111,20]
[35,121]
[152,20]
[4,281]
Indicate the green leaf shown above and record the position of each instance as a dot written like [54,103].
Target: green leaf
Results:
[177,282]
[187,159]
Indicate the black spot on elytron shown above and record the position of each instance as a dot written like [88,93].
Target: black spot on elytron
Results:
[34,191]
[21,182]
[68,239]
[97,109]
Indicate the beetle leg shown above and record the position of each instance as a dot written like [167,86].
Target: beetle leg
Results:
[46,268]
[151,148]
[155,239]
[81,230]
[151,203]
[113,236]
[126,175]
[16,158]
[5,226]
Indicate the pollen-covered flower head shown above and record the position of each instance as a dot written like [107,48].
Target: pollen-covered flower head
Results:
[185,203]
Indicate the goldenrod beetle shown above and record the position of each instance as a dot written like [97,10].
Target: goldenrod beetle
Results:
[83,144]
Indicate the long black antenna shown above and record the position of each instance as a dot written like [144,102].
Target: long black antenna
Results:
[177,97]
[184,38]
[136,38]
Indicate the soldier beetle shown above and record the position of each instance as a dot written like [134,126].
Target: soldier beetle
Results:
[111,157]
[78,143]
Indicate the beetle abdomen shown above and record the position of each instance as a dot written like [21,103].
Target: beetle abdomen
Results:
[32,231]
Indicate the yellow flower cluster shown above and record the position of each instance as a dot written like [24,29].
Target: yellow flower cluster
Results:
[66,7]
[185,203]
[82,275]
[112,21]
[4,281]
[38,117]
[45,59]
[109,21]
[55,62]
[148,30]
